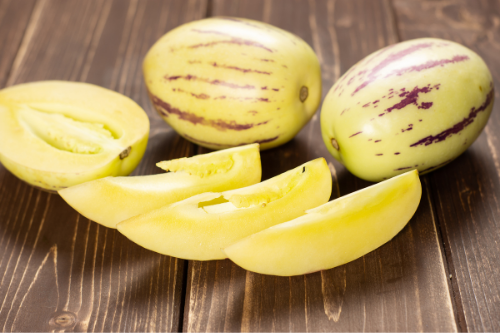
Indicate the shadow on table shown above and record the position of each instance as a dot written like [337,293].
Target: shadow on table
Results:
[60,261]
[403,281]
[43,240]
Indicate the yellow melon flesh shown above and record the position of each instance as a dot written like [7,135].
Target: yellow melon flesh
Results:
[333,234]
[113,199]
[56,134]
[199,227]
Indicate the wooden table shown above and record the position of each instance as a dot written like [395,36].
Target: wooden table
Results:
[60,271]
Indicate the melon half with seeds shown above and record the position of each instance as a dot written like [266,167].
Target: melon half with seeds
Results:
[55,134]
[225,82]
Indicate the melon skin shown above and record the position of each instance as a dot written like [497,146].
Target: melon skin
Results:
[225,82]
[418,104]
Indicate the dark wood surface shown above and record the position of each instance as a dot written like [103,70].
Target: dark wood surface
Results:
[61,272]
[467,192]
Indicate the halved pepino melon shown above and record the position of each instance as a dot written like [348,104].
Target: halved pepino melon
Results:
[56,134]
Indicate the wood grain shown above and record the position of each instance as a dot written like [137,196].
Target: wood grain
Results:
[467,191]
[401,286]
[62,272]
[58,270]
[14,19]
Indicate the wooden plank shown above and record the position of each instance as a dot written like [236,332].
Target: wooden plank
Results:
[467,191]
[401,286]
[58,270]
[14,18]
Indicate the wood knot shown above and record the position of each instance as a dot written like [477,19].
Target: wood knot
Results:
[63,320]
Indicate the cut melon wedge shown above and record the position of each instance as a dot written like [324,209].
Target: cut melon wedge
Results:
[333,234]
[113,199]
[200,227]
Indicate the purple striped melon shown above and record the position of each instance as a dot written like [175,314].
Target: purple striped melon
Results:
[413,105]
[225,82]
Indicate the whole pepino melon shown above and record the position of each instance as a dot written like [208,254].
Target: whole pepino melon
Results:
[225,82]
[413,105]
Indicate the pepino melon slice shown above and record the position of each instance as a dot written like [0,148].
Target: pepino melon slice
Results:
[113,199]
[333,234]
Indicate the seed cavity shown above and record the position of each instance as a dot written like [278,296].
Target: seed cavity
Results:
[66,133]
[304,92]
[217,206]
[216,201]
[267,194]
[200,166]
